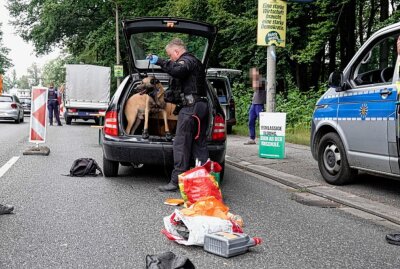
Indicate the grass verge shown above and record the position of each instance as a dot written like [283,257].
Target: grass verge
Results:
[299,135]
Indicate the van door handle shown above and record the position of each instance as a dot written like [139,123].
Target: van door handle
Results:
[385,91]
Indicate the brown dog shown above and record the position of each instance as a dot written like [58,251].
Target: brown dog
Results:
[141,104]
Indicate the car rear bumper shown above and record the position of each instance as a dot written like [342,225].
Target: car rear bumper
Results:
[157,153]
[82,115]
[9,115]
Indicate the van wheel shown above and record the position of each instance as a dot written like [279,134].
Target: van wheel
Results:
[110,168]
[68,120]
[332,161]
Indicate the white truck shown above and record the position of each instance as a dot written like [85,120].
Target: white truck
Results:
[87,92]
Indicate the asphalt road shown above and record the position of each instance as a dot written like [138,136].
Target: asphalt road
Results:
[96,222]
[299,162]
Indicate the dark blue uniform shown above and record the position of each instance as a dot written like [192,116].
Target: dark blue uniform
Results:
[53,105]
[190,138]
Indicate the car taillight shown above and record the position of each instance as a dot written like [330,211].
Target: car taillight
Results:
[111,123]
[13,105]
[73,110]
[218,132]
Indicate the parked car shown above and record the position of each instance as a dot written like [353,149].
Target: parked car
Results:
[11,108]
[222,79]
[150,35]
[356,124]
[26,104]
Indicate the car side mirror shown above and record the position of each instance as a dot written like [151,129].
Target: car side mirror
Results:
[336,80]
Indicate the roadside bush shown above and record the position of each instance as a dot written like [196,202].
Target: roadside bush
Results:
[298,105]
[243,95]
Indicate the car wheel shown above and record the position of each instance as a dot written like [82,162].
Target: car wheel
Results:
[22,119]
[110,168]
[18,120]
[332,161]
[97,121]
[229,129]
[68,120]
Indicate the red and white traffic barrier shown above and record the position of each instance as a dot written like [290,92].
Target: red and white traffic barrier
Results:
[39,115]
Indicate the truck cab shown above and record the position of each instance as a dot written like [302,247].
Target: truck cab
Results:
[355,124]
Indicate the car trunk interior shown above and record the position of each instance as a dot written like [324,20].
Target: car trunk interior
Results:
[156,125]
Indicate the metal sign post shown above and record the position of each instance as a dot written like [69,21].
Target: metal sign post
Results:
[271,32]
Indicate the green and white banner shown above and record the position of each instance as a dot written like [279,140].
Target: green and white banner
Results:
[272,135]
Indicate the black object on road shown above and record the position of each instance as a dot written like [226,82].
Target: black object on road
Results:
[168,260]
[6,209]
[84,167]
[393,239]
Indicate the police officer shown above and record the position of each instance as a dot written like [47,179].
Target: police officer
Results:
[190,140]
[53,105]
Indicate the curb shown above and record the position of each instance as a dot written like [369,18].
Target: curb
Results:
[387,212]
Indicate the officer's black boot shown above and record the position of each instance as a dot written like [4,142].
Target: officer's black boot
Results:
[145,134]
[168,136]
[169,187]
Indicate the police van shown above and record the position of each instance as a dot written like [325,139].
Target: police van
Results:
[355,125]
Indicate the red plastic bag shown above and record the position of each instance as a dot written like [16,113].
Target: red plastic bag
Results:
[214,169]
[197,183]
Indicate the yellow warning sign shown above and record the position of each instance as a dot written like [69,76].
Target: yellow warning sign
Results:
[271,28]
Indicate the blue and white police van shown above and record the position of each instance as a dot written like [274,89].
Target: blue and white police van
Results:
[355,124]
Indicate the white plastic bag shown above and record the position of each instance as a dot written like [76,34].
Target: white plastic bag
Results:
[198,227]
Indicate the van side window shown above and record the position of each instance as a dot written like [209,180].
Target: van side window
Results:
[377,65]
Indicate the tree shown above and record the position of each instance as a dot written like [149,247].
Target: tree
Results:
[13,79]
[54,71]
[23,82]
[321,35]
[34,75]
[5,62]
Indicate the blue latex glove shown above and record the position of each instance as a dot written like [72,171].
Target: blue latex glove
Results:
[152,58]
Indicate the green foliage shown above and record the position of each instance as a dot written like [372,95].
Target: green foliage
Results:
[34,75]
[242,95]
[54,71]
[298,105]
[23,82]
[5,62]
[86,30]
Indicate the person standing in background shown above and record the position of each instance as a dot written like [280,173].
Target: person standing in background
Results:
[53,105]
[257,103]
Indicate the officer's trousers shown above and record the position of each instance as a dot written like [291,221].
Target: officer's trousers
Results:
[53,107]
[191,138]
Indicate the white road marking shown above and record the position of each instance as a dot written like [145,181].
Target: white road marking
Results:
[8,165]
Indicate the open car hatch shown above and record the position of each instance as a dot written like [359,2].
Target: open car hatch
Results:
[150,35]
